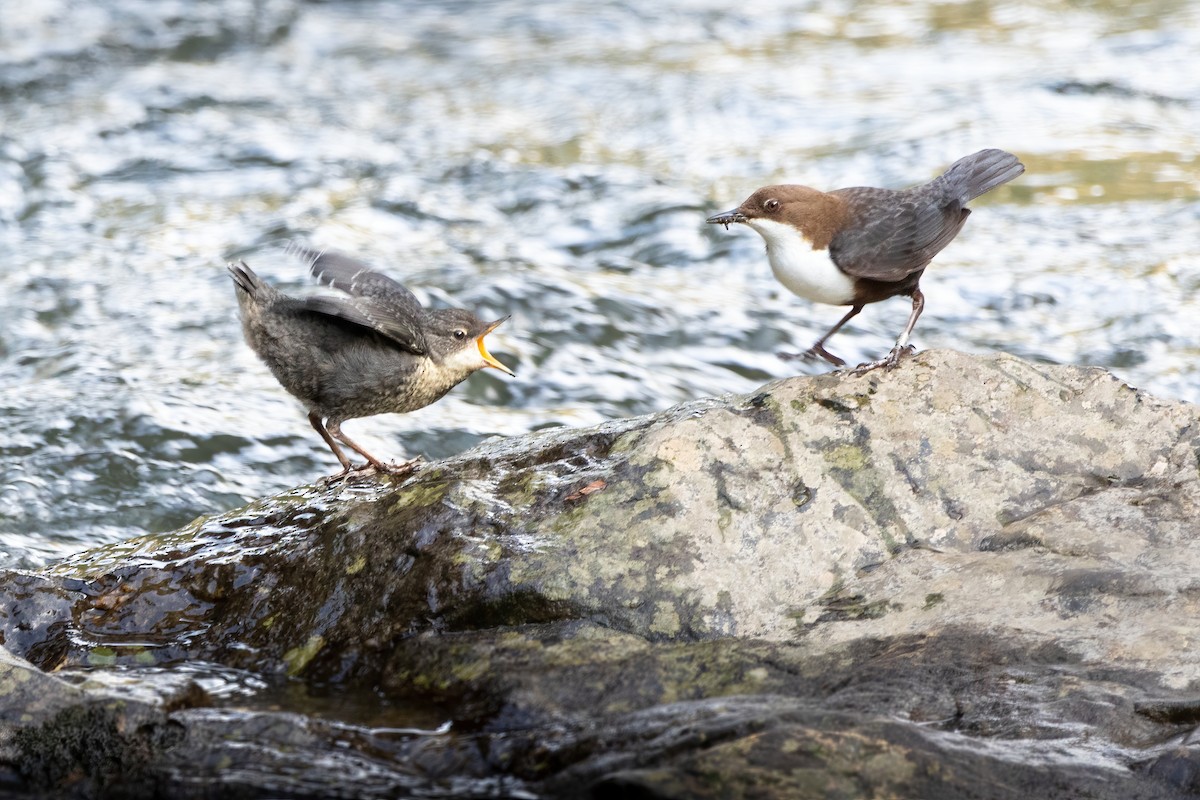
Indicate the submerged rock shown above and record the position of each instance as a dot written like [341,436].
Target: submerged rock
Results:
[900,583]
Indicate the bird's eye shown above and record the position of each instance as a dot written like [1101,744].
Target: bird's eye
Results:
[460,334]
[771,205]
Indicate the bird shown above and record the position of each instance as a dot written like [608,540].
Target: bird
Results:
[374,349]
[856,246]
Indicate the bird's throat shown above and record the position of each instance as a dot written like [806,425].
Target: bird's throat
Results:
[804,271]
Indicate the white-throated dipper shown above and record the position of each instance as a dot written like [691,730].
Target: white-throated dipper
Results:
[851,247]
[376,350]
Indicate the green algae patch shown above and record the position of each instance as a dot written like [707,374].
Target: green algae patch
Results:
[847,457]
[666,621]
[851,465]
[478,555]
[522,488]
[423,493]
[569,521]
[299,657]
[11,680]
[470,671]
[357,565]
[626,442]
[101,657]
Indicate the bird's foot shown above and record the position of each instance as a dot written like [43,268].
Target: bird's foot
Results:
[813,353]
[344,474]
[403,468]
[352,471]
[888,362]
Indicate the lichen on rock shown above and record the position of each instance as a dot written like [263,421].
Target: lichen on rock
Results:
[894,583]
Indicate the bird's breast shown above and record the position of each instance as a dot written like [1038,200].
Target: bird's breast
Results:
[363,387]
[804,271]
[426,384]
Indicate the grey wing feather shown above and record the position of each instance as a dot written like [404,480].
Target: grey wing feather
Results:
[375,300]
[908,228]
[904,234]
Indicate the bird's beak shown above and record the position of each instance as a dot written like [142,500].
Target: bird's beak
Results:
[491,360]
[728,218]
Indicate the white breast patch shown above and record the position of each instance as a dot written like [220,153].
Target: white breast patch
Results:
[804,271]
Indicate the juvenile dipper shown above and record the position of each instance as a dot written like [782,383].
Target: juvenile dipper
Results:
[851,247]
[374,351]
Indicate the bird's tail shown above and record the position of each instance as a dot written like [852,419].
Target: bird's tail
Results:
[248,282]
[981,172]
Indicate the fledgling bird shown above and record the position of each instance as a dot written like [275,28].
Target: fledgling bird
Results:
[852,247]
[375,350]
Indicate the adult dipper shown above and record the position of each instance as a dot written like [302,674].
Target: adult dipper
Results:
[375,350]
[851,247]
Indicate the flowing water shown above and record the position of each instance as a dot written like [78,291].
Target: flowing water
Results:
[554,161]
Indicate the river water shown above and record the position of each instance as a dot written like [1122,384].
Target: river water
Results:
[554,161]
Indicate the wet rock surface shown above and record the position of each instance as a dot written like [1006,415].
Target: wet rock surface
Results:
[971,577]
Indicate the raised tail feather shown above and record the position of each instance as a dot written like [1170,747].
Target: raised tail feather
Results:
[246,280]
[981,172]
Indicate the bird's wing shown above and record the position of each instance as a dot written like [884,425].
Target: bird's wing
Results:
[375,300]
[904,231]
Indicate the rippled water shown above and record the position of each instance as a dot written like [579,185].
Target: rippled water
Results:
[554,161]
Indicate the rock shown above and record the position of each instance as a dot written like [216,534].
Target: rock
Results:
[902,583]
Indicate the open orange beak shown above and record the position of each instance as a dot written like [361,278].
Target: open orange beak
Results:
[488,357]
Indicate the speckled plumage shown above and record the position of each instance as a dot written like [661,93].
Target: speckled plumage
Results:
[375,350]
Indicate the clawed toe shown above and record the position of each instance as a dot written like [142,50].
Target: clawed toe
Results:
[888,362]
[814,353]
[403,468]
[351,471]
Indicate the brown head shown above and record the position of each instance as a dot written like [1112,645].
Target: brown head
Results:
[816,215]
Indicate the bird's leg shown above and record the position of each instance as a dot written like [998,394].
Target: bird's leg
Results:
[818,349]
[315,421]
[335,428]
[902,347]
[918,301]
